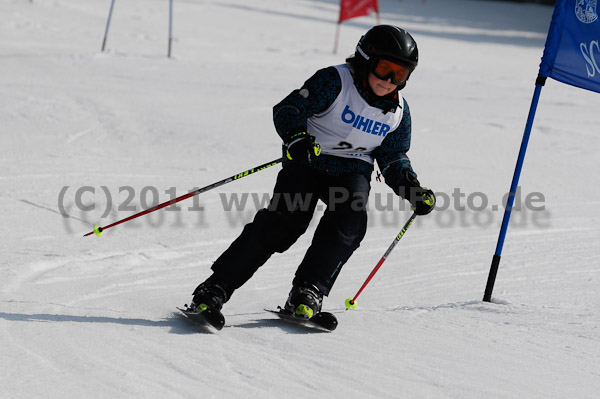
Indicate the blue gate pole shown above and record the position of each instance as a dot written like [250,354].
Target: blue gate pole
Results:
[112,5]
[539,83]
[170,26]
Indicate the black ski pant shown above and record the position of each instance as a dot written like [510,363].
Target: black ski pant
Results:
[274,229]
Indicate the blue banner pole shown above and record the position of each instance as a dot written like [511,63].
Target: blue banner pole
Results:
[112,5]
[539,83]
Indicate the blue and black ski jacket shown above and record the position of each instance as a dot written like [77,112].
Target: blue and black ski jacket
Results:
[291,114]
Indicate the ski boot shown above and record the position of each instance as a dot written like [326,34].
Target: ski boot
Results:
[208,295]
[305,300]
[208,300]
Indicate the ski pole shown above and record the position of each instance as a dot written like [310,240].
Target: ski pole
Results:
[351,302]
[98,230]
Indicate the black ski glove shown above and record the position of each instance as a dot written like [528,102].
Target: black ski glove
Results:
[422,200]
[302,147]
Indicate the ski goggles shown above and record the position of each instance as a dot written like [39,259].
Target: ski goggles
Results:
[384,70]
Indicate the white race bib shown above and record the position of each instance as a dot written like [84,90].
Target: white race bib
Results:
[350,127]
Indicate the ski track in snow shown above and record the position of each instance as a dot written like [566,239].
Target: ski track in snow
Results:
[95,317]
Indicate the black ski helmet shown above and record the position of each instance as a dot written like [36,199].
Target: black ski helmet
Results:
[387,42]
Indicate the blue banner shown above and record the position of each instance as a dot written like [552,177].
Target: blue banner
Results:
[572,52]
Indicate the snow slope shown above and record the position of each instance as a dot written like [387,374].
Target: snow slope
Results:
[94,318]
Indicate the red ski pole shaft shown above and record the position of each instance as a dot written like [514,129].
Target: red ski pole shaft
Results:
[352,301]
[98,229]
[373,272]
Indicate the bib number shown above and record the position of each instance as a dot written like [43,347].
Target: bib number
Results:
[344,145]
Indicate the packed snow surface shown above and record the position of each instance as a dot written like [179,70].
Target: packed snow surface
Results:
[91,137]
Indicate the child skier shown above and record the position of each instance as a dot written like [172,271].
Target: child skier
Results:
[333,128]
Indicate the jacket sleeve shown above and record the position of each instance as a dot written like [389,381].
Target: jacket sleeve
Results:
[315,96]
[392,158]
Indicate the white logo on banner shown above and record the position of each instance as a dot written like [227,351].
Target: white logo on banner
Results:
[588,54]
[586,11]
